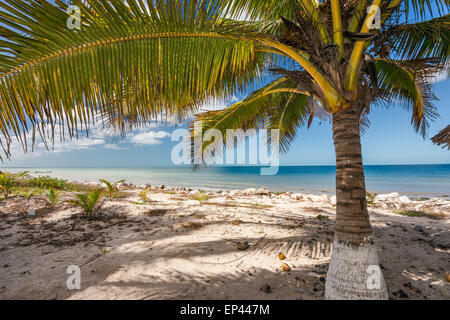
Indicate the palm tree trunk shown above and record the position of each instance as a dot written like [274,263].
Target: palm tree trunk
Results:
[354,271]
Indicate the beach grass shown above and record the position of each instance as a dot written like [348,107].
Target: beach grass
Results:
[418,213]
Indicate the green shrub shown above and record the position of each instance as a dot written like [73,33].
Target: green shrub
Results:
[47,182]
[8,181]
[321,217]
[418,213]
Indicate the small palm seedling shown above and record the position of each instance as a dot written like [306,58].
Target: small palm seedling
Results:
[371,197]
[52,197]
[200,197]
[322,217]
[8,181]
[88,201]
[27,193]
[111,186]
[144,195]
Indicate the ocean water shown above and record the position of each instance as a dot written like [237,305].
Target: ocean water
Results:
[411,180]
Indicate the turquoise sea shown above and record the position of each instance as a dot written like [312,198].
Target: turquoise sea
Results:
[412,180]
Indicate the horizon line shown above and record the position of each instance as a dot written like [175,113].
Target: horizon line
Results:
[216,166]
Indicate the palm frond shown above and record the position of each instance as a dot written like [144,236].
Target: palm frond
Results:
[410,83]
[261,10]
[279,105]
[427,39]
[140,59]
[443,138]
[420,8]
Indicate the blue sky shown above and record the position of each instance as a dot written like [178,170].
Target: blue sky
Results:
[389,140]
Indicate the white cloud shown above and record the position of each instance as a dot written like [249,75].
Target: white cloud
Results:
[215,104]
[148,137]
[111,146]
[96,139]
[75,144]
[441,76]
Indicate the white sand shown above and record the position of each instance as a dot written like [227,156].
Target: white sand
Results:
[177,249]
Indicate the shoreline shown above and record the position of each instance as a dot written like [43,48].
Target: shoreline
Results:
[219,183]
[263,190]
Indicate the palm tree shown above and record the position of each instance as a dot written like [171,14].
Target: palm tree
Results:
[133,61]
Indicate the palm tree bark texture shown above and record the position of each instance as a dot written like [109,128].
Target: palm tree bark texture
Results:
[354,257]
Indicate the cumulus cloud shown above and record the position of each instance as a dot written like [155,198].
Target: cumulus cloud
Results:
[216,104]
[148,137]
[112,146]
[441,76]
[75,144]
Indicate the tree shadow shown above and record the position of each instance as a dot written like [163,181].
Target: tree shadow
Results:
[153,257]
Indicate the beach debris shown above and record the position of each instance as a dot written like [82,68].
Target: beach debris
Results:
[157,212]
[31,212]
[281,256]
[418,228]
[235,193]
[391,197]
[262,191]
[404,199]
[249,191]
[314,274]
[266,288]
[122,184]
[296,196]
[242,245]
[400,293]
[317,198]
[333,200]
[322,217]
[285,196]
[285,267]
[191,225]
[412,287]
[319,284]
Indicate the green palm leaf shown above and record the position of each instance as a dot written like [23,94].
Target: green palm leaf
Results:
[125,59]
[278,105]
[418,40]
[410,83]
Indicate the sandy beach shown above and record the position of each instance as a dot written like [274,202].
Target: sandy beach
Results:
[225,247]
